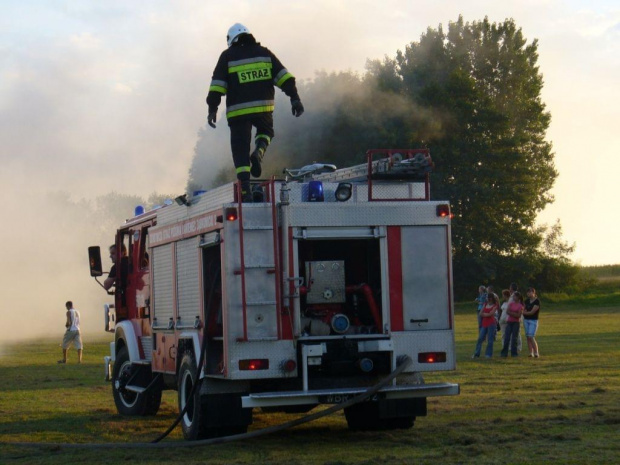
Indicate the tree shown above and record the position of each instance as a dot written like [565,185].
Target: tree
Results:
[492,160]
[556,272]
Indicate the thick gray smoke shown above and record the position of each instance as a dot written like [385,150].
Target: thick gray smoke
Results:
[44,243]
[345,115]
[45,260]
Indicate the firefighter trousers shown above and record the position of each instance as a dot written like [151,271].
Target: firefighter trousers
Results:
[240,139]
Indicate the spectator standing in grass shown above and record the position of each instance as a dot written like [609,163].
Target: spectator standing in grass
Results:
[530,320]
[488,326]
[511,336]
[504,311]
[72,334]
[514,288]
[490,290]
[480,300]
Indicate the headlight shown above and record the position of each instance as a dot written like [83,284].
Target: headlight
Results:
[343,191]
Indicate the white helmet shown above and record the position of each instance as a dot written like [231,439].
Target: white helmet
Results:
[235,31]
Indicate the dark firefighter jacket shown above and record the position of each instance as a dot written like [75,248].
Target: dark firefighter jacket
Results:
[247,74]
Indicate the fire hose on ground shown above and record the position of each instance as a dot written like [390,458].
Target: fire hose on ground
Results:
[402,363]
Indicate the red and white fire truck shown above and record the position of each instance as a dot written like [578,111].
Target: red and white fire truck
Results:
[307,296]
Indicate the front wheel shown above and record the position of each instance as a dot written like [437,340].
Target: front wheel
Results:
[128,402]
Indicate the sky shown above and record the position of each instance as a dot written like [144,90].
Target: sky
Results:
[108,96]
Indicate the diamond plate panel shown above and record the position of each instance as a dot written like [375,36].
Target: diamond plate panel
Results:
[276,351]
[413,343]
[426,284]
[261,317]
[364,214]
[207,202]
[385,191]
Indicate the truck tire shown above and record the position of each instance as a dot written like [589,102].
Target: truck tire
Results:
[131,403]
[365,416]
[194,421]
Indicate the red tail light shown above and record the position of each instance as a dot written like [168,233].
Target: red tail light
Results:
[443,211]
[231,214]
[431,357]
[254,364]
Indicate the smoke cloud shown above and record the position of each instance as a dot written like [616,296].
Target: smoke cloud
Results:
[101,97]
[45,260]
[345,115]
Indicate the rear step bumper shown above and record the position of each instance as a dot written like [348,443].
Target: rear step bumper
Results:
[336,396]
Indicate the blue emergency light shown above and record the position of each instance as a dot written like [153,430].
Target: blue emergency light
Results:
[315,191]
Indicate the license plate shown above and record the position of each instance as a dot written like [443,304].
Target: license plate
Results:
[342,398]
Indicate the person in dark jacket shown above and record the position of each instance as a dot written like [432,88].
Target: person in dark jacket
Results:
[246,73]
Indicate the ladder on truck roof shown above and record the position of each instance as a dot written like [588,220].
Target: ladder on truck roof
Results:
[394,165]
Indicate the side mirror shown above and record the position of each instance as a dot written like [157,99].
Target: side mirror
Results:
[94,259]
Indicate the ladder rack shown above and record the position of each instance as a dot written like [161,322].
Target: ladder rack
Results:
[405,165]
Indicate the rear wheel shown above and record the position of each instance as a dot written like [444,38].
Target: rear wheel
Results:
[128,402]
[212,415]
[194,421]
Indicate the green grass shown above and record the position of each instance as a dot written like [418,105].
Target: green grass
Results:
[561,408]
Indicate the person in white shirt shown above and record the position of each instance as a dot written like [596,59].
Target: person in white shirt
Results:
[72,335]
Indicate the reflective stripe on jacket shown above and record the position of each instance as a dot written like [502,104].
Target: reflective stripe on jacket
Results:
[247,74]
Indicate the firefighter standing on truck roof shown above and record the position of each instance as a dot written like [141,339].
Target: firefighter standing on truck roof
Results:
[246,73]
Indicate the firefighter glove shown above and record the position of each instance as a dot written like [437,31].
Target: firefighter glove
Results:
[212,118]
[297,108]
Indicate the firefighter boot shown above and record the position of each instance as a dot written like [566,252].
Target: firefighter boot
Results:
[257,157]
[246,192]
[258,194]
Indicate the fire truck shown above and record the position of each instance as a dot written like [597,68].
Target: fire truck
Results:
[306,296]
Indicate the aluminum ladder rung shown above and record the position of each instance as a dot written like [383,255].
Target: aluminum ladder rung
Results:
[260,303]
[257,228]
[259,266]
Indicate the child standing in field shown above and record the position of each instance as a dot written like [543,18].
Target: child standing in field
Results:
[488,326]
[481,300]
[504,311]
[511,336]
[530,320]
[490,290]
[514,288]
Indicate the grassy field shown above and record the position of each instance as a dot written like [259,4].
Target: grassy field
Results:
[561,408]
